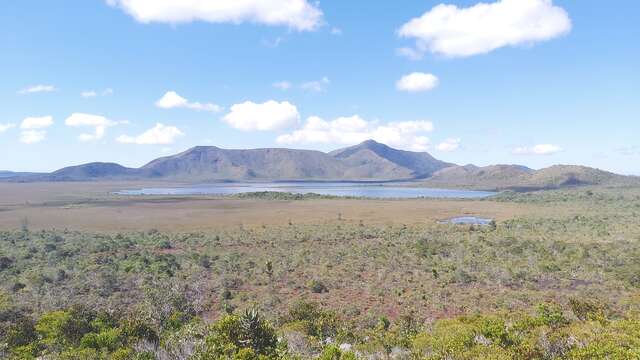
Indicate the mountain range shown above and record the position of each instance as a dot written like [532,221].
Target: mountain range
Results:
[368,161]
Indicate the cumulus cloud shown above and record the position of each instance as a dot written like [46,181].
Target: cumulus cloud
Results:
[273,43]
[97,122]
[88,94]
[40,122]
[282,85]
[5,127]
[410,53]
[270,115]
[171,100]
[32,136]
[451,144]
[295,14]
[628,150]
[316,85]
[92,93]
[37,89]
[417,82]
[32,129]
[352,130]
[540,149]
[157,135]
[484,27]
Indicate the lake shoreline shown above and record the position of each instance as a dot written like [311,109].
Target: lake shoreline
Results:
[339,189]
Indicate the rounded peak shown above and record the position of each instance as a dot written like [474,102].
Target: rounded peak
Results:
[370,144]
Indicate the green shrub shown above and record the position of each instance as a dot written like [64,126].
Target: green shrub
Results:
[585,309]
[313,320]
[317,287]
[551,315]
[332,352]
[240,337]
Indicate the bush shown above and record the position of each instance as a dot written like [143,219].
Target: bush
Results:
[312,320]
[587,309]
[551,315]
[63,329]
[333,352]
[317,287]
[240,337]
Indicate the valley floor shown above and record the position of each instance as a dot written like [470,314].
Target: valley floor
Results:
[91,206]
[557,276]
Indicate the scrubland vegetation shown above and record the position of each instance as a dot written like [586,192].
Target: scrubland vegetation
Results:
[532,287]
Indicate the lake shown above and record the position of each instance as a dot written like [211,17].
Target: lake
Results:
[467,220]
[370,190]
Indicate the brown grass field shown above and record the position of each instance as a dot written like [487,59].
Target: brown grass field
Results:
[91,206]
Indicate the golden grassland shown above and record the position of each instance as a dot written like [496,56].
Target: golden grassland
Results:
[91,206]
[87,274]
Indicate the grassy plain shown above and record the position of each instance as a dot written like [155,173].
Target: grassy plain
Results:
[91,206]
[381,275]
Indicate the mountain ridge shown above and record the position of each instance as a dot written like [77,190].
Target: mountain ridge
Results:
[367,161]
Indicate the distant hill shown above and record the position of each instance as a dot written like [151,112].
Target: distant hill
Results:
[516,177]
[96,170]
[10,174]
[572,175]
[371,160]
[212,163]
[368,161]
[488,177]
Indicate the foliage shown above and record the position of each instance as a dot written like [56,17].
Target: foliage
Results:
[564,283]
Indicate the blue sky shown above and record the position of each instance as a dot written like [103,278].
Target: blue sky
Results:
[547,83]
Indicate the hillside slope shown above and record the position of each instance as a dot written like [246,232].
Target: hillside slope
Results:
[92,171]
[516,177]
[212,163]
[368,161]
[371,159]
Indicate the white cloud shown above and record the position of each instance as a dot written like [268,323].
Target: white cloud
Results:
[88,94]
[484,27]
[451,144]
[41,122]
[353,130]
[270,115]
[32,136]
[273,43]
[316,85]
[336,31]
[92,93]
[540,149]
[99,123]
[628,150]
[282,85]
[296,14]
[158,135]
[37,89]
[410,53]
[171,100]
[32,129]
[417,82]
[5,127]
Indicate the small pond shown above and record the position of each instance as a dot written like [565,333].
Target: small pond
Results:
[467,220]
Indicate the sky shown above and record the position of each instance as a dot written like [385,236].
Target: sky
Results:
[531,82]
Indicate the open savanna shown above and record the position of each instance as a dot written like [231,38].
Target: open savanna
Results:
[92,206]
[557,276]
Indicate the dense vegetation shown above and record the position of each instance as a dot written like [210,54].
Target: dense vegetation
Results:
[307,331]
[531,287]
